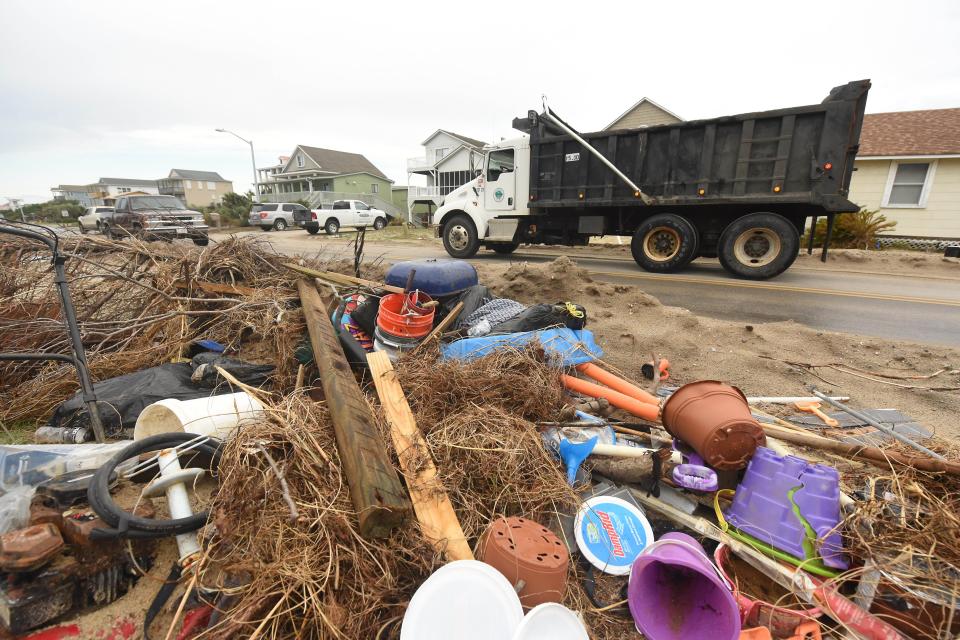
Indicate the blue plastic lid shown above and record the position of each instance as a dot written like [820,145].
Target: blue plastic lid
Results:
[611,533]
[436,276]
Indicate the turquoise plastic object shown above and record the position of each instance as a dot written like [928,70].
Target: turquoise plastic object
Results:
[566,346]
[437,277]
[781,496]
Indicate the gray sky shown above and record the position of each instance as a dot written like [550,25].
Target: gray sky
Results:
[133,89]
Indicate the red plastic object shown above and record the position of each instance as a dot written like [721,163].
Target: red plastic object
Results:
[627,403]
[618,384]
[195,621]
[862,622]
[120,629]
[405,321]
[757,633]
[807,631]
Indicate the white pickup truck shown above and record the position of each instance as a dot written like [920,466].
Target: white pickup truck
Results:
[343,213]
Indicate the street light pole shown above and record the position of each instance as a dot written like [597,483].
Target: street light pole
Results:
[253,162]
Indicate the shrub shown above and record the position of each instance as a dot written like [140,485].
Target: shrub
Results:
[853,230]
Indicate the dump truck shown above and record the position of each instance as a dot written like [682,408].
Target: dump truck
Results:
[739,188]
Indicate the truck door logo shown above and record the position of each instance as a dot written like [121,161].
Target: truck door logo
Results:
[571,157]
[498,194]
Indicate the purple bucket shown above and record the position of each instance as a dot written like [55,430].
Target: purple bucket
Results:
[676,594]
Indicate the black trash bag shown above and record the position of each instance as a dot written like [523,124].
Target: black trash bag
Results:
[365,315]
[121,399]
[472,298]
[205,373]
[543,316]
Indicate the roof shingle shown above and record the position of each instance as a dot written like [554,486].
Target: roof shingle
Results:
[911,133]
[190,174]
[342,162]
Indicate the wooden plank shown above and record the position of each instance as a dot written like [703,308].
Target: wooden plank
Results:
[375,488]
[438,520]
[216,287]
[442,325]
[339,278]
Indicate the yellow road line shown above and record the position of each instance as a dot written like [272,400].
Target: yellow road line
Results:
[776,287]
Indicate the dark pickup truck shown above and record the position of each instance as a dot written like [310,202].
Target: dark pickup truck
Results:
[154,218]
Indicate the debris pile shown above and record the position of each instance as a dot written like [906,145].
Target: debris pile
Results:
[358,452]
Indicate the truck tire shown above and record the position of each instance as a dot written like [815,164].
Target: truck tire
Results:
[665,243]
[379,224]
[313,229]
[332,227]
[266,228]
[280,224]
[504,248]
[758,246]
[201,241]
[460,237]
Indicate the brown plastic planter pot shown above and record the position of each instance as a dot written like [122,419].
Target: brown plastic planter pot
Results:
[714,418]
[523,550]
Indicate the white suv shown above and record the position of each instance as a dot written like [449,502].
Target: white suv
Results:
[90,220]
[275,215]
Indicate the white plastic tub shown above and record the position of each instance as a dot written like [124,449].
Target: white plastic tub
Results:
[216,416]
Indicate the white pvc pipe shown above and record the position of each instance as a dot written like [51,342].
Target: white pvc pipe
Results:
[216,416]
[789,399]
[178,501]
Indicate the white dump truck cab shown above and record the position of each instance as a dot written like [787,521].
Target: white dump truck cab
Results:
[487,210]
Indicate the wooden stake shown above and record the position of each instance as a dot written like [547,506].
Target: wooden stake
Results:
[341,279]
[441,326]
[438,520]
[375,488]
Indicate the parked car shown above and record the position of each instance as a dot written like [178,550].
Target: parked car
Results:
[275,215]
[155,218]
[90,220]
[343,213]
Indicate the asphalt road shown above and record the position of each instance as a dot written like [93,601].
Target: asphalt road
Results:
[910,307]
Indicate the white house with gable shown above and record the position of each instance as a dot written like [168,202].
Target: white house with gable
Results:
[449,161]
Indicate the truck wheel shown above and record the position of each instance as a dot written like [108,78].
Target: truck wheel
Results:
[332,227]
[313,229]
[504,248]
[379,224]
[460,237]
[280,224]
[665,243]
[202,241]
[83,231]
[758,246]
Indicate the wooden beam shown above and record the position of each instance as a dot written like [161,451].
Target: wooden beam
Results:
[342,279]
[217,287]
[375,488]
[442,325]
[438,520]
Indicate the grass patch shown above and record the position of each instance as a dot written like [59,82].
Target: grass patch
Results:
[17,432]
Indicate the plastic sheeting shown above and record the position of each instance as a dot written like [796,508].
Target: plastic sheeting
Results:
[566,347]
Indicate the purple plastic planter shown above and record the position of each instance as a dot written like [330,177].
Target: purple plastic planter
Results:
[762,507]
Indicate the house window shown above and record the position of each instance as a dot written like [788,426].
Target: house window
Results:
[211,186]
[300,161]
[186,183]
[441,153]
[908,184]
[374,188]
[199,185]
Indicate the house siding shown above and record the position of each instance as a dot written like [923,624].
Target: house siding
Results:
[360,183]
[940,218]
[644,115]
[194,196]
[440,140]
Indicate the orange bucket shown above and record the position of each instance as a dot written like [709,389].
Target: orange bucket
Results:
[411,323]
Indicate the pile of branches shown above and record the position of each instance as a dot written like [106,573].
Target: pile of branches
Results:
[302,568]
[139,305]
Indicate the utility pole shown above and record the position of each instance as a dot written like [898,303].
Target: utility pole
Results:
[253,162]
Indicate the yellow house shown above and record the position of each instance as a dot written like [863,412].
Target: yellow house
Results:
[908,168]
[644,113]
[195,188]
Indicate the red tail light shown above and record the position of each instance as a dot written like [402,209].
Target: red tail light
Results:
[313,215]
[263,215]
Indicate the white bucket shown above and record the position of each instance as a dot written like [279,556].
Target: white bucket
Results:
[216,416]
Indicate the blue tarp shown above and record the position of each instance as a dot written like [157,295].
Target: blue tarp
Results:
[566,346]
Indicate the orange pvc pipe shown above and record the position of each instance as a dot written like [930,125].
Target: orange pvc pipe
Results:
[630,404]
[616,383]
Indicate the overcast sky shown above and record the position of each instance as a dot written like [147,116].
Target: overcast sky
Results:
[134,88]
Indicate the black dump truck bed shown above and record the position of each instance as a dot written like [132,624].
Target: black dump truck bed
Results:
[801,156]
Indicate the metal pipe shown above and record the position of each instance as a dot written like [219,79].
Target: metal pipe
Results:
[882,427]
[576,136]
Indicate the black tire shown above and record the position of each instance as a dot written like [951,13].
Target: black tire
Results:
[504,248]
[460,237]
[313,230]
[202,241]
[758,246]
[265,228]
[280,224]
[83,231]
[102,503]
[332,227]
[665,243]
[379,224]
